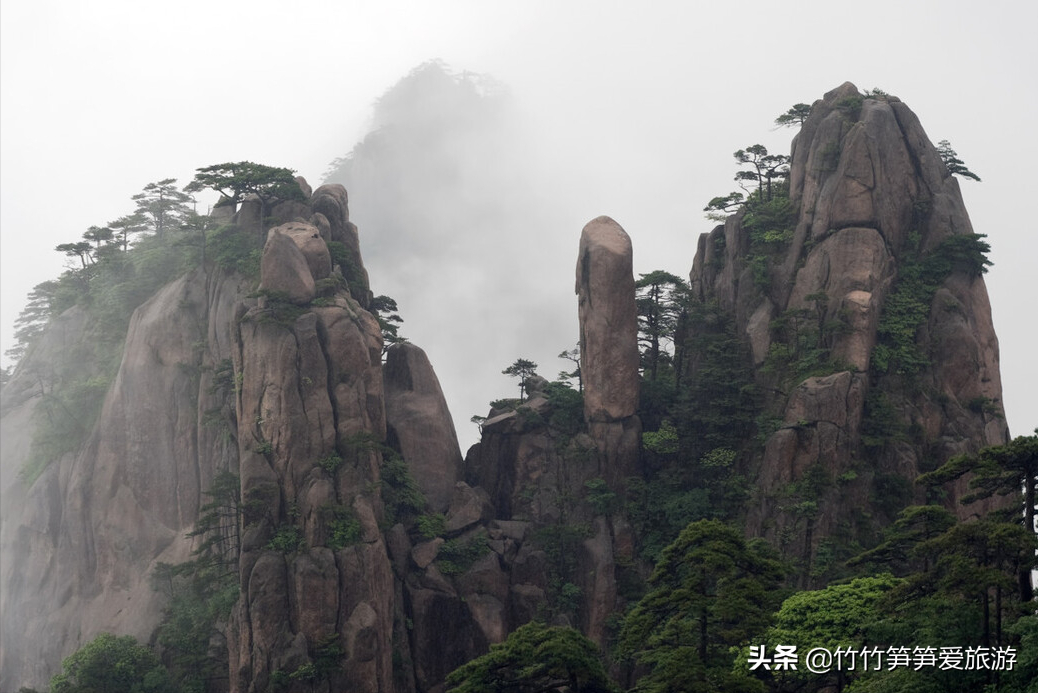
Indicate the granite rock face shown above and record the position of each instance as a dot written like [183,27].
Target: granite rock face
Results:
[608,321]
[287,389]
[420,425]
[215,380]
[609,345]
[872,199]
[80,543]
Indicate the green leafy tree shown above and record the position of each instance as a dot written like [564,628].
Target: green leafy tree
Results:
[536,659]
[710,592]
[914,526]
[110,664]
[1001,470]
[523,369]
[795,116]
[955,165]
[83,250]
[203,591]
[236,180]
[720,207]
[41,303]
[385,310]
[128,226]
[164,204]
[660,299]
[763,168]
[996,470]
[573,356]
[838,616]
[98,235]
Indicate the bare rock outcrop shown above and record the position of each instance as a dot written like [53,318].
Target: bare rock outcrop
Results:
[311,392]
[332,203]
[608,321]
[419,424]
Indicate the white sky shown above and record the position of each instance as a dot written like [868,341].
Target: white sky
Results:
[637,111]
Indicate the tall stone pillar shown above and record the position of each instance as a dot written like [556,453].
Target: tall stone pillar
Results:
[609,345]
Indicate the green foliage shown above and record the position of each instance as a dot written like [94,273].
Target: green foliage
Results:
[764,168]
[838,616]
[110,279]
[702,417]
[385,311]
[236,180]
[278,308]
[718,208]
[953,163]
[720,404]
[795,116]
[400,493]
[908,306]
[710,592]
[850,106]
[560,543]
[163,204]
[110,663]
[996,470]
[802,342]
[330,463]
[64,418]
[218,525]
[190,633]
[566,414]
[352,269]
[600,497]
[661,507]
[235,250]
[661,299]
[663,441]
[287,539]
[431,526]
[891,493]
[457,555]
[342,525]
[536,658]
[882,421]
[770,222]
[523,369]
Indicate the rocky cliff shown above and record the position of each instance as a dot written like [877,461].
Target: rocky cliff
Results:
[868,322]
[369,554]
[398,574]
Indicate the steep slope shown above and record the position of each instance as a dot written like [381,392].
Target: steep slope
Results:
[868,321]
[212,379]
[80,543]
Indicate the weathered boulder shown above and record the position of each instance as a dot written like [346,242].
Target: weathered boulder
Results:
[305,187]
[249,216]
[425,553]
[284,270]
[313,247]
[332,202]
[420,425]
[468,506]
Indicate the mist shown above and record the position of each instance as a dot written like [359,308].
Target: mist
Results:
[470,211]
